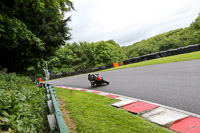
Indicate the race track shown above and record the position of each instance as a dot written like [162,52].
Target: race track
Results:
[173,84]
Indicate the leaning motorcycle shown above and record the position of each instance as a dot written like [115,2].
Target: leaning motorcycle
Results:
[96,80]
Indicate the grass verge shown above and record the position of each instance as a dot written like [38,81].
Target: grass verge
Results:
[169,59]
[94,113]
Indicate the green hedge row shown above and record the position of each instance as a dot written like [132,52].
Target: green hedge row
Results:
[23,105]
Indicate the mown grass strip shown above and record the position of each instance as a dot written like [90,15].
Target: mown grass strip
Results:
[94,113]
[169,59]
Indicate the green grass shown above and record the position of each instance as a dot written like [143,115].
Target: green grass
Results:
[169,59]
[93,113]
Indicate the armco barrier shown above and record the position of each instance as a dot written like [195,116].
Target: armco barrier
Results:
[126,62]
[172,52]
[193,48]
[182,50]
[134,60]
[55,118]
[109,66]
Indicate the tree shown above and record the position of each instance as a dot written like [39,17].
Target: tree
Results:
[18,45]
[74,57]
[31,31]
[106,53]
[88,54]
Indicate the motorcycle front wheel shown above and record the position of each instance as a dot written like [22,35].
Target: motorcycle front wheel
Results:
[104,81]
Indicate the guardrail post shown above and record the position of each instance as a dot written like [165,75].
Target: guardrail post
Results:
[55,118]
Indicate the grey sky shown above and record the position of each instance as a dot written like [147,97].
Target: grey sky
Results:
[129,21]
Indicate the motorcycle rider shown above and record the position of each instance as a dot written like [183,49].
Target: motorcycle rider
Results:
[96,79]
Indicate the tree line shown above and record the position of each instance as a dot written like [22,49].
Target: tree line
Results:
[166,41]
[75,57]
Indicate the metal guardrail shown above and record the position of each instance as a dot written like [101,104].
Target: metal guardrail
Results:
[55,118]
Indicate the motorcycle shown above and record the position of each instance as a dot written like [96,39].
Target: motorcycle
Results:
[96,80]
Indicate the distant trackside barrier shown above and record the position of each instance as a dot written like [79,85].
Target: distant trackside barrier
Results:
[171,52]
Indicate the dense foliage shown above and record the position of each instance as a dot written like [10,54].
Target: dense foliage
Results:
[23,105]
[31,31]
[169,40]
[73,57]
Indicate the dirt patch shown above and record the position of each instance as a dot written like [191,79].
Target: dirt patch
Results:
[69,122]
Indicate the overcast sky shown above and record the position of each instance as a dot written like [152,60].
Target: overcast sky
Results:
[129,21]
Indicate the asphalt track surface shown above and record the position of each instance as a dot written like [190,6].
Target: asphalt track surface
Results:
[173,84]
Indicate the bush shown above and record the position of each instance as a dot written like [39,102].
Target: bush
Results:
[23,105]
